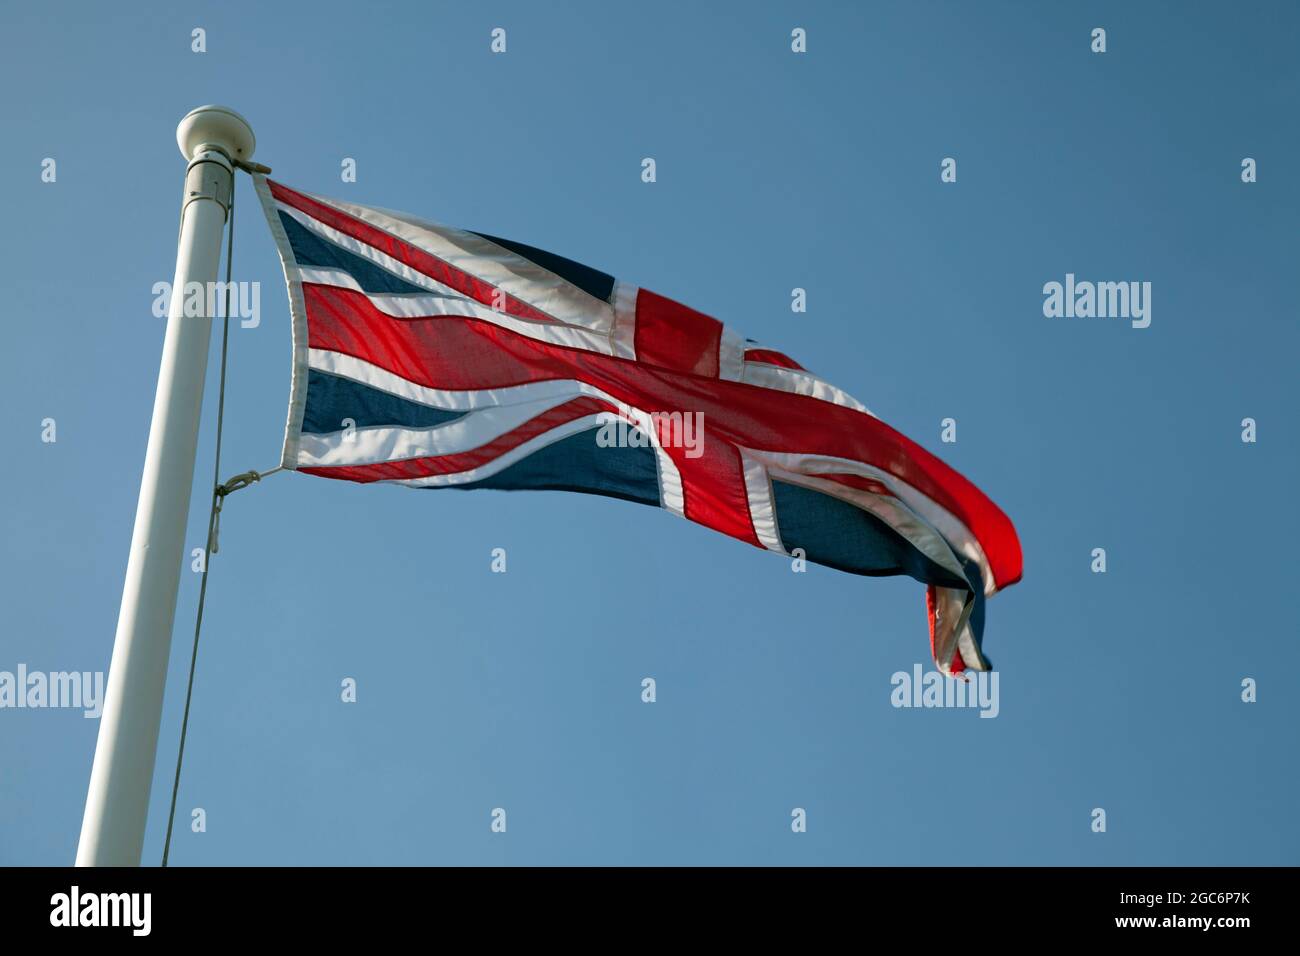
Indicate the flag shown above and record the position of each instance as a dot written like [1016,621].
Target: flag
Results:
[436,357]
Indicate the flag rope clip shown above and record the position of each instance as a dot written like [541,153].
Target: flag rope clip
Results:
[230,486]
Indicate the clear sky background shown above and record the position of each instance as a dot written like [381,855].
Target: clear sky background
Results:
[775,170]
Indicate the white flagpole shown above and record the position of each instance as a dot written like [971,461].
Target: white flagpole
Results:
[117,804]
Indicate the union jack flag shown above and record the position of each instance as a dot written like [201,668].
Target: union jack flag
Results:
[436,357]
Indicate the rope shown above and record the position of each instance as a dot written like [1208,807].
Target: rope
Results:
[219,492]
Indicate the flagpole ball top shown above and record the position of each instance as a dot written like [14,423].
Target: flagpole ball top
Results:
[215,126]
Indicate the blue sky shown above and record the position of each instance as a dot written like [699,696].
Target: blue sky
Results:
[775,170]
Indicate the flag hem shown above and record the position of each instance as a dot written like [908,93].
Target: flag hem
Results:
[298,315]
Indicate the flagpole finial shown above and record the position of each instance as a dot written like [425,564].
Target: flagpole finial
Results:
[216,127]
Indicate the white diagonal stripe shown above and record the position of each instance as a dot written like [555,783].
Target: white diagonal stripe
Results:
[799,382]
[493,264]
[372,445]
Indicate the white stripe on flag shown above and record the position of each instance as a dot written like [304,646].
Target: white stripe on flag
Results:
[372,445]
[762,511]
[538,442]
[494,264]
[799,383]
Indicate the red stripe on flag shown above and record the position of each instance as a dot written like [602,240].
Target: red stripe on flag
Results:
[434,352]
[408,254]
[713,486]
[674,336]
[769,357]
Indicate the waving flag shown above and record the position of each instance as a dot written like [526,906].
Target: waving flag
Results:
[436,357]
